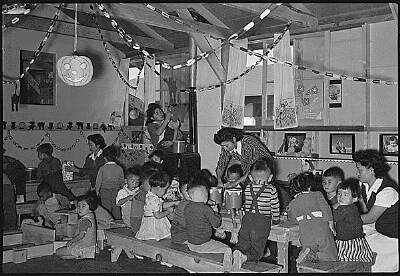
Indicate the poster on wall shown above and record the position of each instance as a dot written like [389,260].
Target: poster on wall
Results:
[309,98]
[38,86]
[335,93]
[342,143]
[389,144]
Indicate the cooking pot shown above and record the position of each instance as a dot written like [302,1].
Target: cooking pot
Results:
[30,174]
[178,146]
[233,198]
[216,194]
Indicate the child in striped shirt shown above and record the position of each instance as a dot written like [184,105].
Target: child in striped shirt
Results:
[261,205]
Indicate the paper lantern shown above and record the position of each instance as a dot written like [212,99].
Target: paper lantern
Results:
[75,70]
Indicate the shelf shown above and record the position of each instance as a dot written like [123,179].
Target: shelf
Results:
[325,159]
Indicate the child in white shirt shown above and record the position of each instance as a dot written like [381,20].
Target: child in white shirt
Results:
[126,194]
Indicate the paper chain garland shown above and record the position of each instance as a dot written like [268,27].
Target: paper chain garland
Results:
[40,48]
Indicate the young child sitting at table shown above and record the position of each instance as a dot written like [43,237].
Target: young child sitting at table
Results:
[332,177]
[83,244]
[200,219]
[110,178]
[126,194]
[49,203]
[233,174]
[261,206]
[155,224]
[311,211]
[350,238]
[50,171]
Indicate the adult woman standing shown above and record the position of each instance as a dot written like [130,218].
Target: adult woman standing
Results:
[379,203]
[162,130]
[93,161]
[238,148]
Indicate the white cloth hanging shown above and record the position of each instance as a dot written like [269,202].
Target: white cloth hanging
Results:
[233,108]
[285,115]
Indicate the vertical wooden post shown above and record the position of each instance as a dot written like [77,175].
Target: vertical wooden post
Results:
[327,63]
[365,46]
[264,87]
[193,97]
[225,63]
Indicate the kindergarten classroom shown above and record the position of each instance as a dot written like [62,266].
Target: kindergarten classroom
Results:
[314,82]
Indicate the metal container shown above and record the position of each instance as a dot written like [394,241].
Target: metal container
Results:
[233,199]
[31,174]
[179,146]
[216,194]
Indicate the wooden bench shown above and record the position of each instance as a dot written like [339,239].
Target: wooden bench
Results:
[101,235]
[174,254]
[333,267]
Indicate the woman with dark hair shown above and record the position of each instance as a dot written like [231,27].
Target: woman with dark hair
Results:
[238,147]
[93,161]
[379,202]
[161,128]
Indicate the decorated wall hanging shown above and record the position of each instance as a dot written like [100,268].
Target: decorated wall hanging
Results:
[75,70]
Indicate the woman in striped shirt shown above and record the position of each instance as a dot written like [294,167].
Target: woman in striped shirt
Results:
[261,204]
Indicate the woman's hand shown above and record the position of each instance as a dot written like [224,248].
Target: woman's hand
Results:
[167,144]
[174,124]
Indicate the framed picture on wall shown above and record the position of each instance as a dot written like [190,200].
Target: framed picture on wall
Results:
[38,86]
[335,93]
[342,143]
[294,142]
[388,144]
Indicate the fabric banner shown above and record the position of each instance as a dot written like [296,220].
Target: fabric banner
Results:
[285,114]
[149,82]
[233,108]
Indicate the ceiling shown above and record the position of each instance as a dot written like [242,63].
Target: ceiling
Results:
[163,36]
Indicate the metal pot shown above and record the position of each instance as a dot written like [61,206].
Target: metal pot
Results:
[31,174]
[216,194]
[178,146]
[233,199]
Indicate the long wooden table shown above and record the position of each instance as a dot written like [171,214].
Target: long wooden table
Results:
[284,235]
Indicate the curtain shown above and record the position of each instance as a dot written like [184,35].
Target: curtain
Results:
[233,107]
[285,115]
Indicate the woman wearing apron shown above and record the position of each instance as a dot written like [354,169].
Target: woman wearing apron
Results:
[379,203]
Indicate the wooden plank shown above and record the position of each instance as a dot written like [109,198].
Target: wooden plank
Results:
[175,254]
[37,234]
[33,251]
[58,244]
[282,13]
[333,267]
[327,67]
[365,60]
[204,45]
[203,11]
[20,256]
[301,7]
[66,28]
[140,13]
[11,239]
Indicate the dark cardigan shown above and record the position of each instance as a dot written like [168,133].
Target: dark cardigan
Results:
[91,167]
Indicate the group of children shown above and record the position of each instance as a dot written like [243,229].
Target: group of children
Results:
[189,217]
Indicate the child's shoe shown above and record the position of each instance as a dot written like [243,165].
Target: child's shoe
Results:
[238,260]
[227,262]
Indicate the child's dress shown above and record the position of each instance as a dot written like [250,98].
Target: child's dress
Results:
[151,227]
[350,238]
[86,247]
[311,211]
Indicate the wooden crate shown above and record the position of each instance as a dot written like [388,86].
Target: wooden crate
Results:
[68,216]
[37,234]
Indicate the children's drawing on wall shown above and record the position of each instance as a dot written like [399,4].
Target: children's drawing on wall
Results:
[309,98]
[38,86]
[292,144]
[389,144]
[335,93]
[342,143]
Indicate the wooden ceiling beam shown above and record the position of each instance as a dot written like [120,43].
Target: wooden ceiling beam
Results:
[281,13]
[67,28]
[204,45]
[152,33]
[301,7]
[209,16]
[141,14]
[394,7]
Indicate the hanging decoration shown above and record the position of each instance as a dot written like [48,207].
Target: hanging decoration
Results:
[40,48]
[75,70]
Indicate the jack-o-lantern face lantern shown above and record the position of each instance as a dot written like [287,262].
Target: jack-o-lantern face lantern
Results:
[75,70]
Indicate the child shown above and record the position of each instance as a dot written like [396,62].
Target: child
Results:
[49,203]
[83,244]
[212,179]
[314,216]
[261,205]
[200,219]
[332,177]
[178,224]
[155,224]
[50,171]
[109,180]
[126,194]
[103,217]
[350,238]
[234,173]
[138,201]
